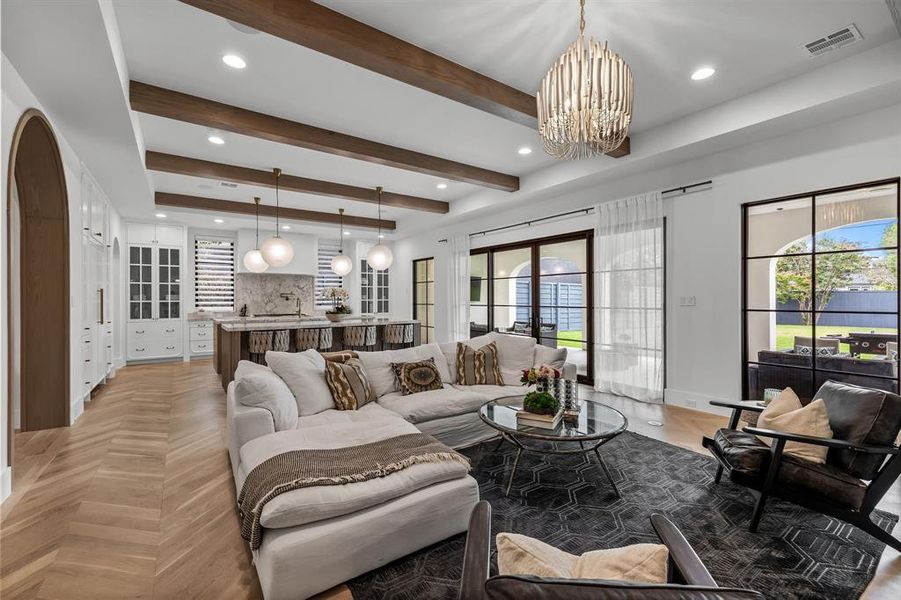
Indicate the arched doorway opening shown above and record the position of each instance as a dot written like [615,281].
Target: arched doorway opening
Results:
[38,267]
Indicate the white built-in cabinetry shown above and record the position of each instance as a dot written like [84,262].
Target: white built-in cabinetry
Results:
[156,260]
[201,337]
[96,318]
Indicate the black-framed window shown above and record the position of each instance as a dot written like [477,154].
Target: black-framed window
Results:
[541,288]
[820,289]
[373,289]
[424,297]
[325,277]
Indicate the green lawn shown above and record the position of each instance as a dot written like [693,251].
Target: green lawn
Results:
[569,339]
[785,334]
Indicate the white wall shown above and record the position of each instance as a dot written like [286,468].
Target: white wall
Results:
[703,235]
[16,99]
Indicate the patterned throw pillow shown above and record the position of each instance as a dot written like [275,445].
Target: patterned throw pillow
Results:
[419,376]
[340,356]
[478,367]
[348,383]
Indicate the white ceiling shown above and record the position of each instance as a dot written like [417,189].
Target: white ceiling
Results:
[753,44]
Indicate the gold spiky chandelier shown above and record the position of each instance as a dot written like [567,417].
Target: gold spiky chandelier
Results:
[585,100]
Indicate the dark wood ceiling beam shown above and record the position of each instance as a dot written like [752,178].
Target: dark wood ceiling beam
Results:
[327,31]
[266,210]
[209,113]
[324,30]
[181,165]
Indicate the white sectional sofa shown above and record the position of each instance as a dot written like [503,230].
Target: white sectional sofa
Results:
[316,538]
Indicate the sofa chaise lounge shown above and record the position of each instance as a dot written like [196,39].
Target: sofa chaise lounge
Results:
[316,538]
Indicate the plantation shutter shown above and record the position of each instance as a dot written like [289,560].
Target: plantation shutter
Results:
[325,278]
[214,274]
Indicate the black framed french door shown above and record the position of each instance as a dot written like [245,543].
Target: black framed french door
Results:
[542,288]
[820,288]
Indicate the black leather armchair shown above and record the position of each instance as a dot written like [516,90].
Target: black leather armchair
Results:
[688,578]
[861,465]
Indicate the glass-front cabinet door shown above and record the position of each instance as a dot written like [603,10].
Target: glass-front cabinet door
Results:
[140,283]
[169,297]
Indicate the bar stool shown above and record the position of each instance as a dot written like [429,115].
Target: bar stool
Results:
[399,334]
[316,338]
[281,341]
[359,337]
[259,343]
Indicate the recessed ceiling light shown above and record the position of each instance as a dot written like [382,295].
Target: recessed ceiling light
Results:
[346,233]
[441,186]
[220,221]
[286,227]
[160,216]
[525,150]
[234,61]
[215,139]
[381,236]
[703,73]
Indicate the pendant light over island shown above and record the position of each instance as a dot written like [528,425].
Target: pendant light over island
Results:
[277,252]
[253,259]
[379,256]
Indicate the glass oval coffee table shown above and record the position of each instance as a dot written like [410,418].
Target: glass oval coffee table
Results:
[596,425]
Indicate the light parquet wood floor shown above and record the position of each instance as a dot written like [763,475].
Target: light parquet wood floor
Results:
[136,500]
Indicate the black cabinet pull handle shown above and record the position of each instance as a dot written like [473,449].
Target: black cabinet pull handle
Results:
[139,349]
[170,347]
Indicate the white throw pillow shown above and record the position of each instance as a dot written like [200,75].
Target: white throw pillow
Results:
[552,357]
[515,353]
[449,353]
[304,372]
[265,389]
[246,367]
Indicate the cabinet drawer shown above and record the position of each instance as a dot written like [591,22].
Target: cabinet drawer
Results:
[169,331]
[201,325]
[148,349]
[201,346]
[201,334]
[145,331]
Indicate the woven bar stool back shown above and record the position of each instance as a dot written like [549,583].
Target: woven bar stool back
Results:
[281,341]
[306,339]
[360,337]
[325,338]
[259,343]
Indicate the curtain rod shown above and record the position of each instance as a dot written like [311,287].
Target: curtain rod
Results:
[683,189]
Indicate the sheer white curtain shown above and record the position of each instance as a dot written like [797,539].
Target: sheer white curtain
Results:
[452,290]
[629,297]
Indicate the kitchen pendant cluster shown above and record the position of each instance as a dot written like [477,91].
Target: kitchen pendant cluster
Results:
[275,251]
[379,256]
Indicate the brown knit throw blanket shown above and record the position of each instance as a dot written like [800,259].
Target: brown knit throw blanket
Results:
[307,468]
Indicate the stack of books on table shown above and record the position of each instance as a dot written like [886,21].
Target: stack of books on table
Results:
[524,417]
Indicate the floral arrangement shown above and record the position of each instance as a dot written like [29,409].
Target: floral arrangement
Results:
[533,375]
[338,296]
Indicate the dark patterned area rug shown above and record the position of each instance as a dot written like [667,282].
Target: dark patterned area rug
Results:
[566,502]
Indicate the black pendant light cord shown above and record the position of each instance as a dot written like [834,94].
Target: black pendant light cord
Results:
[341,235]
[257,201]
[379,190]
[278,173]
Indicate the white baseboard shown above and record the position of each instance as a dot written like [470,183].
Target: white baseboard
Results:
[696,401]
[6,482]
[75,410]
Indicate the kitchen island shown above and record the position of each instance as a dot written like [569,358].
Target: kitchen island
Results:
[231,336]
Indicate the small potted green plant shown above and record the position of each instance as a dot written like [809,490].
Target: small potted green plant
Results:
[340,310]
[540,403]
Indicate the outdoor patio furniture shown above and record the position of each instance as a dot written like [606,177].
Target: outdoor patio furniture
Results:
[862,342]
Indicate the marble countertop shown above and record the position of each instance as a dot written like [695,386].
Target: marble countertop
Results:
[272,323]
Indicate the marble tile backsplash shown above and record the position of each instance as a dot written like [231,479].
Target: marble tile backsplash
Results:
[262,293]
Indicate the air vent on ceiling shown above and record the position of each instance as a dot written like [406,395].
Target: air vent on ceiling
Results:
[228,184]
[839,39]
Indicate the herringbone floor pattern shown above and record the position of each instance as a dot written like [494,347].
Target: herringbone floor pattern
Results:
[136,499]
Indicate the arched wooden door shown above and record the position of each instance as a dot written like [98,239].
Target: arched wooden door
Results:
[42,310]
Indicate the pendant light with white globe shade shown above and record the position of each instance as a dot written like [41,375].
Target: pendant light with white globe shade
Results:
[276,251]
[253,259]
[341,264]
[379,256]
